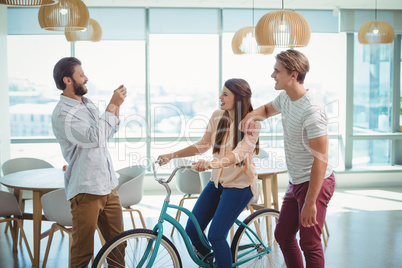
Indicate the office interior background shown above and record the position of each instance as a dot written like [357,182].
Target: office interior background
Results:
[174,57]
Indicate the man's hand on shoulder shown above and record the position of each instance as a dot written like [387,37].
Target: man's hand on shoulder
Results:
[247,125]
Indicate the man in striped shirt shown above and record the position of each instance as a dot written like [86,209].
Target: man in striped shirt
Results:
[311,181]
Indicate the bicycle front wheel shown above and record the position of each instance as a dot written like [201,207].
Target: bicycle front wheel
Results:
[247,244]
[133,248]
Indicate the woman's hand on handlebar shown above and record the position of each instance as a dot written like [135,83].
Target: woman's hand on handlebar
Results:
[202,165]
[164,159]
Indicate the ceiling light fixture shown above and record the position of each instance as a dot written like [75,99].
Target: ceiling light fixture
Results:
[376,31]
[66,15]
[244,41]
[92,33]
[283,28]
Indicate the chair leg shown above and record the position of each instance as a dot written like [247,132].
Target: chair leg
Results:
[178,213]
[25,240]
[132,218]
[14,232]
[49,242]
[325,240]
[325,237]
[140,215]
[70,243]
[100,236]
[8,224]
[326,228]
[141,218]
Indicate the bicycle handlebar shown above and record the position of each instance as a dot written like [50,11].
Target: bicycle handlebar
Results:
[165,183]
[171,175]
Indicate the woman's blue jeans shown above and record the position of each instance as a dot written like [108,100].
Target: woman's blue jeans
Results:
[222,206]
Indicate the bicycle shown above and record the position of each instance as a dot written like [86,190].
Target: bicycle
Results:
[252,245]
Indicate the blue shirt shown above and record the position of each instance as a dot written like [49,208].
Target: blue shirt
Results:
[83,135]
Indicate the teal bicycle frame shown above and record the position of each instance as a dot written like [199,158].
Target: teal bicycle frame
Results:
[164,216]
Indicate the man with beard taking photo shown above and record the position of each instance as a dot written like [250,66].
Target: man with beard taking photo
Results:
[90,180]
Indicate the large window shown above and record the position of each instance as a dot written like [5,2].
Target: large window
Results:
[400,92]
[33,93]
[109,64]
[326,78]
[372,88]
[184,82]
[372,102]
[174,61]
[184,89]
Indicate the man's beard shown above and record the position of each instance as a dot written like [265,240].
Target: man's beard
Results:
[79,90]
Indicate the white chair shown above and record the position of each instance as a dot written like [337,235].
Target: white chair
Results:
[187,182]
[21,164]
[57,208]
[261,154]
[205,177]
[130,189]
[9,207]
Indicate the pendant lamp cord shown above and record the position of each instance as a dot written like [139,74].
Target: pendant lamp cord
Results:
[253,14]
[375,9]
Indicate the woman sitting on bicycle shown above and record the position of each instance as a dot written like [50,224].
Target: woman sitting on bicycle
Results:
[234,178]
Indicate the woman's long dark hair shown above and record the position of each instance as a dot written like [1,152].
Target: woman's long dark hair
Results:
[242,99]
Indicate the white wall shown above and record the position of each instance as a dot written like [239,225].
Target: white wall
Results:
[4,99]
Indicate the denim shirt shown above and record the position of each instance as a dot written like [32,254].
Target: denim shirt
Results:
[82,135]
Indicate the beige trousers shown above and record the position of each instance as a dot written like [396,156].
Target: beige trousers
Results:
[88,211]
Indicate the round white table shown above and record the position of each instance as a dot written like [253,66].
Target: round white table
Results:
[39,181]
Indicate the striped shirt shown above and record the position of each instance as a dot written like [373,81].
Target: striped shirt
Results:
[302,120]
[83,135]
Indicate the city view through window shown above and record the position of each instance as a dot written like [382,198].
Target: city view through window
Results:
[184,90]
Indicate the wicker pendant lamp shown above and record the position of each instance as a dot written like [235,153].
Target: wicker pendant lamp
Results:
[244,41]
[92,33]
[283,28]
[28,2]
[67,15]
[376,32]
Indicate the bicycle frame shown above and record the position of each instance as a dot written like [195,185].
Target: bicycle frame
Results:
[164,216]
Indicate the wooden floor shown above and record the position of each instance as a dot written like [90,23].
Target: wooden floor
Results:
[365,228]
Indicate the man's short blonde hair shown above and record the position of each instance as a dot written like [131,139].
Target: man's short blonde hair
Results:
[294,61]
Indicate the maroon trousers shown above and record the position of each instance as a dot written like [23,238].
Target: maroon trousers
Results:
[289,224]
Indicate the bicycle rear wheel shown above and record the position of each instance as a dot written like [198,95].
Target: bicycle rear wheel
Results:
[246,245]
[129,249]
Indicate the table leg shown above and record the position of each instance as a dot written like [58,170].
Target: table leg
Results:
[274,185]
[37,221]
[266,190]
[13,225]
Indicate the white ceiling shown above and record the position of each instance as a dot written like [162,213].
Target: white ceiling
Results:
[266,4]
